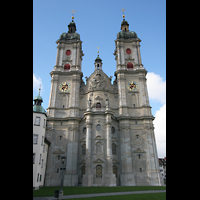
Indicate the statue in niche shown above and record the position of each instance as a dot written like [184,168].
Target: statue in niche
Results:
[107,103]
[89,103]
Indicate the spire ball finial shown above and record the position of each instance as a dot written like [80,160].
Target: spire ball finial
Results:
[73,11]
[123,12]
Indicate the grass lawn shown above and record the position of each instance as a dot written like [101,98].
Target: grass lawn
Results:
[49,191]
[150,196]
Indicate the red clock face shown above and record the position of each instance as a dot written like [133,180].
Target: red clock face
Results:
[128,51]
[68,52]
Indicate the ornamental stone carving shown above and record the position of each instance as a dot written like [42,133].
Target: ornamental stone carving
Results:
[97,82]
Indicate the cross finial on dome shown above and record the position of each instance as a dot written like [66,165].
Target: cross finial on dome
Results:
[123,12]
[98,50]
[73,11]
[39,89]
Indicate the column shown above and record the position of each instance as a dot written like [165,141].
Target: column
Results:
[53,92]
[57,56]
[74,96]
[139,55]
[61,54]
[122,94]
[122,54]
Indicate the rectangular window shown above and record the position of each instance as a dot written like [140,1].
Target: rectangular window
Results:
[35,139]
[37,121]
[40,178]
[44,123]
[42,164]
[44,148]
[42,140]
[40,159]
[33,158]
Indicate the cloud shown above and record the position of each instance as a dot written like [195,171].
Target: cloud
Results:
[160,131]
[156,87]
[36,83]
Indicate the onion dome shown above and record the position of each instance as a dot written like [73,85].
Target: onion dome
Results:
[71,35]
[37,104]
[125,33]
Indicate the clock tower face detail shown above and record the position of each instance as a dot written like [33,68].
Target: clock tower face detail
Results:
[64,87]
[104,128]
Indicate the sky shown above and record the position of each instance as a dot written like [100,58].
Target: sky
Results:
[98,23]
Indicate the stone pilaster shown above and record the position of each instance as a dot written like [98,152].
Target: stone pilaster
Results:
[122,94]
[71,176]
[127,175]
[88,177]
[110,177]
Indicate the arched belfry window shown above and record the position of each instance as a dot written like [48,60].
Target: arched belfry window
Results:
[98,105]
[114,148]
[130,65]
[67,66]
[99,171]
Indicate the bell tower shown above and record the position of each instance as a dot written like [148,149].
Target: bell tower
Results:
[135,118]
[64,106]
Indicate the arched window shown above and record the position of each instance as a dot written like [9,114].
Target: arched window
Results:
[98,171]
[67,66]
[114,148]
[83,149]
[130,65]
[115,170]
[98,105]
[82,171]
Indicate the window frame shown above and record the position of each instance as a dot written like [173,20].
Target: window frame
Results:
[34,140]
[37,124]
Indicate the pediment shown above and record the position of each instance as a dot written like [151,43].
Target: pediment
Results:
[98,161]
[58,151]
[98,80]
[138,150]
[83,161]
[83,139]
[115,161]
[98,137]
[98,98]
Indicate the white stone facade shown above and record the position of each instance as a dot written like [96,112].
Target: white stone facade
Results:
[105,130]
[40,149]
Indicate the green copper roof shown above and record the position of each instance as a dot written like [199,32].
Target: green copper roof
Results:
[98,59]
[38,97]
[39,109]
[126,35]
[69,36]
[37,104]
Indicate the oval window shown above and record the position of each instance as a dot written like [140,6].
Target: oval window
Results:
[128,51]
[68,52]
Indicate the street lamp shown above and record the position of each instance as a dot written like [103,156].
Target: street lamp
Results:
[61,192]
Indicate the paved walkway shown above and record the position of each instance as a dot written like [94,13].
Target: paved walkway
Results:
[98,194]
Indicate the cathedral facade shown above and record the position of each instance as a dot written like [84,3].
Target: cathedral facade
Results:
[104,130]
